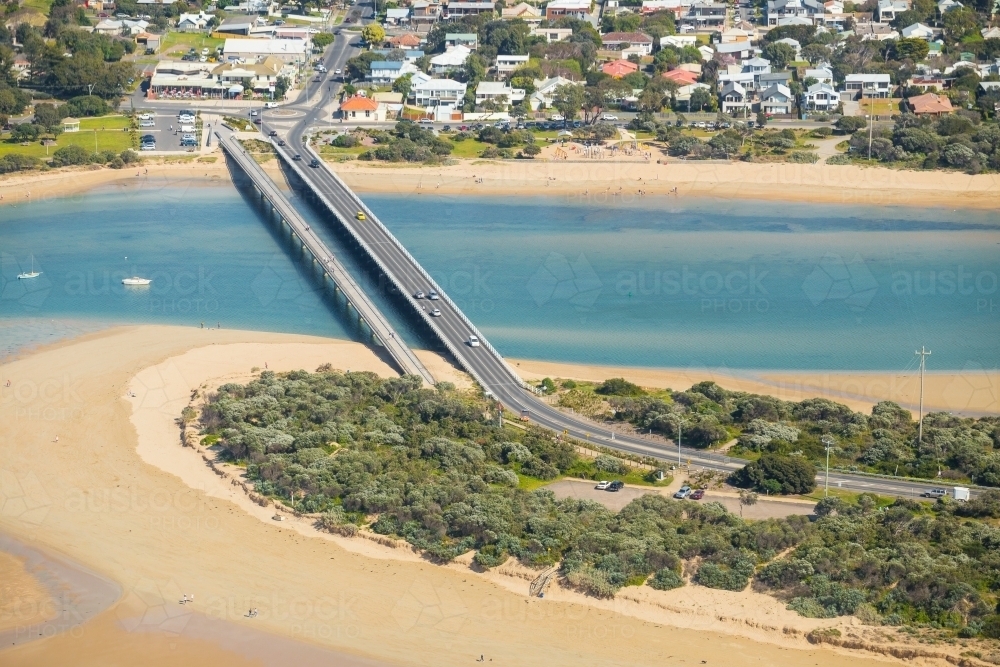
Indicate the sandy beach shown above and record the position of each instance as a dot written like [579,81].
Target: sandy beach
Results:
[118,494]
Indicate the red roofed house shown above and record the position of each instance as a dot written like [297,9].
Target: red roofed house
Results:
[364,108]
[407,41]
[681,77]
[619,68]
[930,104]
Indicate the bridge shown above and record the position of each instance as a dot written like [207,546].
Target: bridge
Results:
[325,261]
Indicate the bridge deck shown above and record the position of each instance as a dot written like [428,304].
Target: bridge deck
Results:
[331,266]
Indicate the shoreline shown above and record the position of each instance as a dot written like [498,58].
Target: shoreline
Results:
[124,498]
[582,182]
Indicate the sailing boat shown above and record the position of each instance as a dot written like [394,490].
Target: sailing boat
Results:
[30,274]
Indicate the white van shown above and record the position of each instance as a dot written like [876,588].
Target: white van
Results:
[187,128]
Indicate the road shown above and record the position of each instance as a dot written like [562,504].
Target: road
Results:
[454,329]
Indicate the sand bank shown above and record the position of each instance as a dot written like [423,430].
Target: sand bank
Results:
[162,534]
[598,182]
[973,391]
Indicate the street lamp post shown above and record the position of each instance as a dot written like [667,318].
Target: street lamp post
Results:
[828,443]
[680,426]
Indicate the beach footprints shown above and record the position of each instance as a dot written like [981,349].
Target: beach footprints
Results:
[425,606]
[22,497]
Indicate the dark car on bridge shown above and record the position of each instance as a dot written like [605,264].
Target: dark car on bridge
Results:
[314,163]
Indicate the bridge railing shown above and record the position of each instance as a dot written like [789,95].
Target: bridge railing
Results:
[437,288]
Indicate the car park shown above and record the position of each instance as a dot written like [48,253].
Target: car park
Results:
[697,494]
[683,492]
[436,313]
[603,485]
[473,341]
[616,486]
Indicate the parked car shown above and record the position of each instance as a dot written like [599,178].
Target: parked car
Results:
[147,147]
[683,492]
[425,121]
[609,116]
[473,341]
[602,486]
[446,128]
[557,116]
[616,486]
[697,494]
[145,116]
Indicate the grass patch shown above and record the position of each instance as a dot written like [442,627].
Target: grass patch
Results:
[42,6]
[847,496]
[189,40]
[208,160]
[531,483]
[108,140]
[881,107]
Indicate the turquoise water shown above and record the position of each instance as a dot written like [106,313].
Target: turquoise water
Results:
[659,282]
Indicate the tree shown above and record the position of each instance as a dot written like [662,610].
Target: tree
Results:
[47,115]
[912,48]
[761,119]
[851,124]
[360,66]
[815,53]
[403,85]
[747,499]
[373,33]
[774,473]
[960,22]
[322,39]
[700,98]
[568,99]
[779,54]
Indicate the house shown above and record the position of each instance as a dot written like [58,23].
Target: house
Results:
[149,40]
[286,50]
[108,27]
[793,43]
[730,35]
[934,48]
[523,11]
[260,76]
[409,55]
[796,20]
[505,65]
[678,41]
[869,31]
[393,103]
[361,108]
[553,34]
[945,6]
[684,93]
[736,74]
[440,95]
[386,71]
[777,100]
[405,41]
[499,93]
[868,85]
[707,53]
[619,68]
[620,40]
[577,9]
[809,10]
[887,10]
[927,83]
[397,16]
[767,79]
[652,6]
[545,91]
[705,15]
[70,124]
[236,26]
[757,66]
[929,104]
[734,100]
[681,77]
[460,8]
[178,79]
[193,22]
[821,97]
[738,50]
[990,33]
[424,13]
[452,59]
[918,31]
[21,67]
[469,39]
[822,73]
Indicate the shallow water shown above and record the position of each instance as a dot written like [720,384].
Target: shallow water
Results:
[661,282]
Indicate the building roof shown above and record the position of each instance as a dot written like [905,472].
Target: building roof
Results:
[492,88]
[265,46]
[930,103]
[397,13]
[630,37]
[867,78]
[386,64]
[619,68]
[453,57]
[777,89]
[733,87]
[359,103]
[681,77]
[460,37]
[732,47]
[521,9]
[821,87]
[569,5]
[440,84]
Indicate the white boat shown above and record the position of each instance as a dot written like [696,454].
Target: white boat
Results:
[136,281]
[29,274]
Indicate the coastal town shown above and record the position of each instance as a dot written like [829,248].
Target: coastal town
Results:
[418,332]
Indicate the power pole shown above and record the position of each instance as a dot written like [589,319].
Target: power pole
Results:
[827,441]
[680,425]
[920,425]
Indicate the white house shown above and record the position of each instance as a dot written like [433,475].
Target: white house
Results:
[387,71]
[945,6]
[193,22]
[776,100]
[794,43]
[639,42]
[799,9]
[577,9]
[868,85]
[820,97]
[545,91]
[452,59]
[889,9]
[920,31]
[707,52]
[738,50]
[734,99]
[822,73]
[678,41]
[991,33]
[438,92]
[287,50]
[505,65]
[552,34]
[499,92]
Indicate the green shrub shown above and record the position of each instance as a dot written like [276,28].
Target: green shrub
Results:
[665,580]
[773,473]
[71,155]
[619,387]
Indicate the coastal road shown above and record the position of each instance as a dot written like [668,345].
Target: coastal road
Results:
[454,329]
